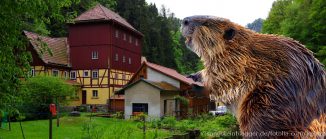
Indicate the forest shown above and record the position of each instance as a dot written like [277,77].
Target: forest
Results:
[303,20]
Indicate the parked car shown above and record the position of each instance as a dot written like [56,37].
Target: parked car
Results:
[220,110]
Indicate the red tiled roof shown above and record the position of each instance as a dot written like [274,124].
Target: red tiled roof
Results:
[172,73]
[100,12]
[59,48]
[163,85]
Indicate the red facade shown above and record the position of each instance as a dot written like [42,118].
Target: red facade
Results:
[111,41]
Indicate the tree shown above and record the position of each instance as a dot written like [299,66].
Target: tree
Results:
[303,20]
[162,42]
[16,16]
[257,25]
[40,91]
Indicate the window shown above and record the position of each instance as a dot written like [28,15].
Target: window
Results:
[123,59]
[136,42]
[116,58]
[116,75]
[129,60]
[55,72]
[86,74]
[140,107]
[66,74]
[33,72]
[123,76]
[95,74]
[124,36]
[94,55]
[95,94]
[117,33]
[130,39]
[73,75]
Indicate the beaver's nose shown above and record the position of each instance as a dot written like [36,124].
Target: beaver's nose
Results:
[195,20]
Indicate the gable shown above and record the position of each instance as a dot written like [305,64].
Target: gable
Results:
[156,76]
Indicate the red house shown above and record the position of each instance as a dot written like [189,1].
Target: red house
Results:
[105,51]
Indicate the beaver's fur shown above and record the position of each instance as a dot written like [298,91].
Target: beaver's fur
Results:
[271,83]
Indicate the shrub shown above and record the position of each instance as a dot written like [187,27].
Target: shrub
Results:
[40,91]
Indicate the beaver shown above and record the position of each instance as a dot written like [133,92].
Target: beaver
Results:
[272,84]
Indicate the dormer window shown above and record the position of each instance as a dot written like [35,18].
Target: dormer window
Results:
[94,55]
[117,33]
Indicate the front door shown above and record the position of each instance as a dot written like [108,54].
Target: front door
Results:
[84,97]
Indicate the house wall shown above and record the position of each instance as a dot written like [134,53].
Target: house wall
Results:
[155,76]
[101,37]
[171,103]
[84,38]
[45,70]
[103,95]
[143,93]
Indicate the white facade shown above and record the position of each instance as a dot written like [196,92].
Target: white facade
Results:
[155,76]
[142,92]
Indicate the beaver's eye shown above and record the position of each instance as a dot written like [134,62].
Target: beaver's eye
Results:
[229,34]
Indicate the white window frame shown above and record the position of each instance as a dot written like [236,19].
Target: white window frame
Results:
[32,72]
[55,70]
[85,74]
[116,58]
[95,92]
[129,60]
[66,74]
[94,54]
[130,39]
[95,71]
[117,33]
[123,59]
[73,73]
[116,76]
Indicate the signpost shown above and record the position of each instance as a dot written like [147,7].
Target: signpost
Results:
[53,112]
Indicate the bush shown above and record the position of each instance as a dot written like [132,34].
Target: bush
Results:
[169,122]
[40,91]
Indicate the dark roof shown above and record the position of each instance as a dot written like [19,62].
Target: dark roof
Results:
[171,73]
[59,48]
[101,13]
[162,86]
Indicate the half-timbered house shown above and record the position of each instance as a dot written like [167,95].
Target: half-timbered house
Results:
[105,50]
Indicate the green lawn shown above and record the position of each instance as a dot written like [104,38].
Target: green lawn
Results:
[74,128]
[110,128]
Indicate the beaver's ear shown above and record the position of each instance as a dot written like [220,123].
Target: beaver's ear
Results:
[229,34]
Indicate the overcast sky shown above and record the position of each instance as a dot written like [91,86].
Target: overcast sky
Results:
[239,11]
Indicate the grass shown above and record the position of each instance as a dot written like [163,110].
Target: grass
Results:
[81,128]
[111,128]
